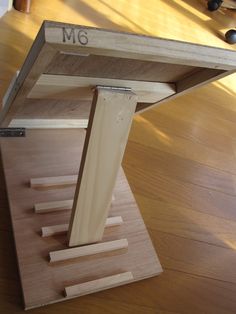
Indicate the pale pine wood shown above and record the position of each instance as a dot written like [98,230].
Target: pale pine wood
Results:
[88,250]
[98,284]
[139,47]
[49,231]
[81,88]
[53,181]
[49,123]
[110,122]
[68,46]
[48,207]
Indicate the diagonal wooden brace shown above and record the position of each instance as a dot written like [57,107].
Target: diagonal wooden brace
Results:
[109,124]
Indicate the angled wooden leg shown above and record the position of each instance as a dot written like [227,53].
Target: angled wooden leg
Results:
[109,124]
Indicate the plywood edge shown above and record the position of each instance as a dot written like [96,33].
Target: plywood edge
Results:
[70,37]
[9,108]
[98,284]
[187,84]
[87,250]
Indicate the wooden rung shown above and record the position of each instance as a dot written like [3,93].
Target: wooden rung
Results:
[88,250]
[41,208]
[53,181]
[98,284]
[48,207]
[49,231]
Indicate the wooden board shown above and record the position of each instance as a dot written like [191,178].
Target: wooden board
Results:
[109,124]
[41,283]
[88,54]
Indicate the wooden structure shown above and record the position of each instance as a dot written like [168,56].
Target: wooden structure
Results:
[65,185]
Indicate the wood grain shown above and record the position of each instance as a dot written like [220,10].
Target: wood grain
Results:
[203,118]
[88,250]
[49,231]
[98,284]
[82,88]
[47,285]
[109,124]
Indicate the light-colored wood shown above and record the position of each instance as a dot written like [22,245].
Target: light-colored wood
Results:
[98,284]
[109,124]
[71,38]
[46,286]
[90,52]
[81,88]
[49,123]
[88,250]
[49,231]
[38,59]
[200,121]
[58,181]
[48,207]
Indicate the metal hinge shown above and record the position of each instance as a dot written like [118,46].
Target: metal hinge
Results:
[12,132]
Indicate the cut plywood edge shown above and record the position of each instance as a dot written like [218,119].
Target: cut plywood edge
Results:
[88,250]
[63,228]
[98,284]
[82,88]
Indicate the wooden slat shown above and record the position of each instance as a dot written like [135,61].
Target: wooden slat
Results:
[110,121]
[88,250]
[81,88]
[49,123]
[187,84]
[98,284]
[47,207]
[58,229]
[53,181]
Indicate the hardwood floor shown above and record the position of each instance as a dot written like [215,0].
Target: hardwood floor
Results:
[180,162]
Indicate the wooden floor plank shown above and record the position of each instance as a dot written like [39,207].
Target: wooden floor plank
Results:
[188,223]
[155,184]
[182,169]
[194,257]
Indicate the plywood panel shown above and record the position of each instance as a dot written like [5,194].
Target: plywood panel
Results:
[117,68]
[47,285]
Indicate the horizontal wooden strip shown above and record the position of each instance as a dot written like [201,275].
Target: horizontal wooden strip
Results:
[88,250]
[98,284]
[49,123]
[47,207]
[58,229]
[53,181]
[81,88]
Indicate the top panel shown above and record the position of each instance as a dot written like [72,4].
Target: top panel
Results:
[67,61]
